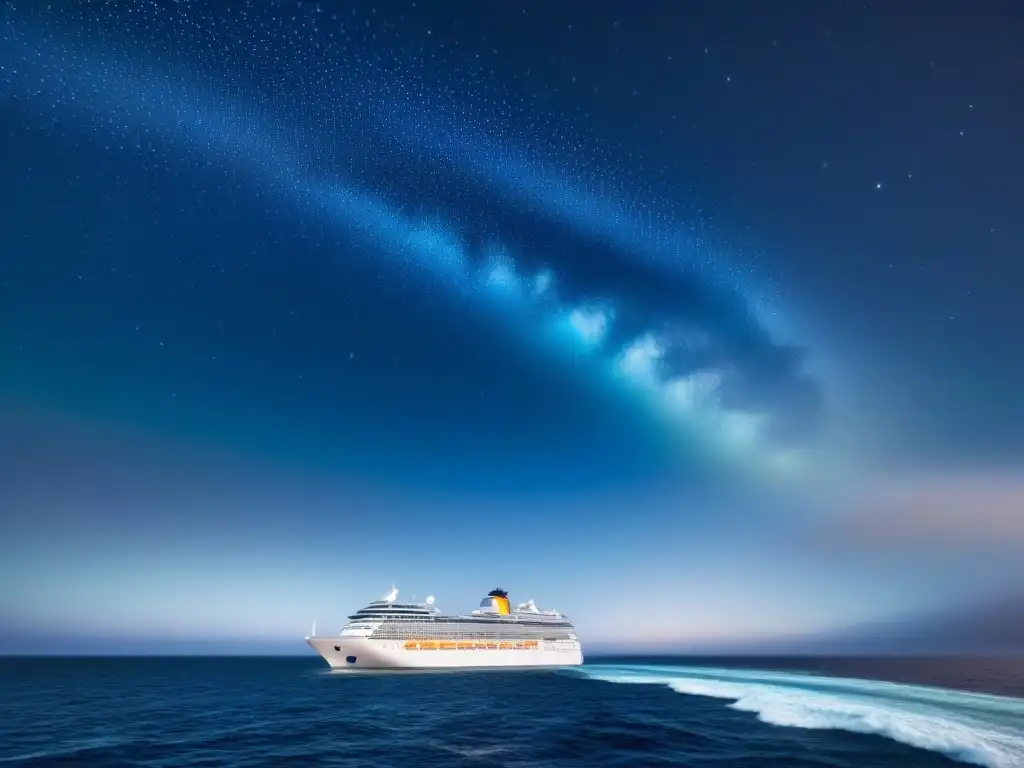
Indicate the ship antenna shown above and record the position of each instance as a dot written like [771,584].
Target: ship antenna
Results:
[313,633]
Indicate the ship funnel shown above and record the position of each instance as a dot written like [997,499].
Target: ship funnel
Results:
[497,601]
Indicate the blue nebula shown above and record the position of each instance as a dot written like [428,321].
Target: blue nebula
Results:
[684,340]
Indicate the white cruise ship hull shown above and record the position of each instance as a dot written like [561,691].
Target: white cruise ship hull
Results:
[355,653]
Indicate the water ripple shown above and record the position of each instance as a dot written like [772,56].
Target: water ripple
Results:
[235,713]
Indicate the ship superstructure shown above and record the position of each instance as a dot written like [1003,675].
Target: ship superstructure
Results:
[389,634]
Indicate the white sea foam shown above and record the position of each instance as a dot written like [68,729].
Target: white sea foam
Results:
[974,728]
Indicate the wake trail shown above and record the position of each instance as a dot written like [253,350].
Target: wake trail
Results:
[974,728]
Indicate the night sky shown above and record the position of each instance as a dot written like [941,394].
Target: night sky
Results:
[698,321]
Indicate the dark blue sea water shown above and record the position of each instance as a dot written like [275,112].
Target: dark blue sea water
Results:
[160,712]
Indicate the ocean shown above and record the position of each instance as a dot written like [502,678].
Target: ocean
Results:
[635,712]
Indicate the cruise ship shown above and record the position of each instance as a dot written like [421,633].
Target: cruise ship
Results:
[387,634]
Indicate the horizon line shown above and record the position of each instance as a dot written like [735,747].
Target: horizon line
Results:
[604,655]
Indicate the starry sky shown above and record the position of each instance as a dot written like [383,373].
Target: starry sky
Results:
[698,321]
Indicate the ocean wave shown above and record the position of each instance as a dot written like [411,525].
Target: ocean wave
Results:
[974,728]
